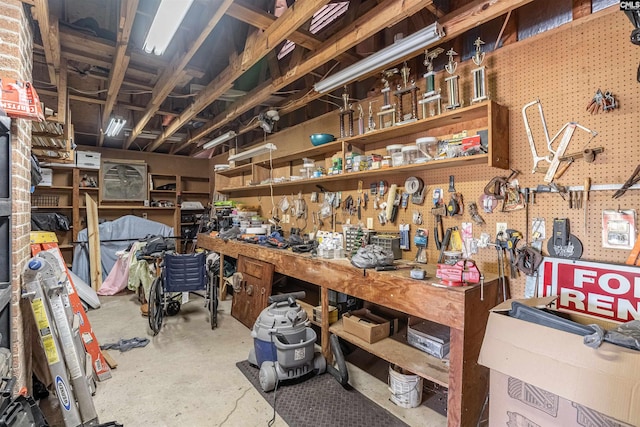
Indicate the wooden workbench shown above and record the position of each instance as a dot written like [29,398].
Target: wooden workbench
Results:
[460,308]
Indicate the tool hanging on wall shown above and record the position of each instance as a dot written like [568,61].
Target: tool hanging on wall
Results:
[455,206]
[602,102]
[562,243]
[632,180]
[404,237]
[473,212]
[438,211]
[497,186]
[553,158]
[421,240]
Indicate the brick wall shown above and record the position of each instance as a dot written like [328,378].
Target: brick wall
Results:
[16,44]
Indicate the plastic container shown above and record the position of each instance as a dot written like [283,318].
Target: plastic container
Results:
[406,390]
[397,159]
[409,154]
[394,148]
[428,146]
[451,257]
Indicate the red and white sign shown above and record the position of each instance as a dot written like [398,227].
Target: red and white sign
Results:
[608,291]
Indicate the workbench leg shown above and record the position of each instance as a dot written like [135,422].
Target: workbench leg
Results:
[324,327]
[223,283]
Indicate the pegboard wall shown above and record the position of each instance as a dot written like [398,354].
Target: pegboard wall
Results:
[563,68]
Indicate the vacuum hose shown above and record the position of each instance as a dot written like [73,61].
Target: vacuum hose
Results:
[340,373]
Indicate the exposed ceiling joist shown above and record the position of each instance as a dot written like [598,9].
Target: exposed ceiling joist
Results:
[362,28]
[174,71]
[255,49]
[120,60]
[475,13]
[48,26]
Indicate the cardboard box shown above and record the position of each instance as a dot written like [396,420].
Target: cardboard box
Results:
[333,314]
[88,159]
[546,377]
[368,326]
[432,338]
[47,177]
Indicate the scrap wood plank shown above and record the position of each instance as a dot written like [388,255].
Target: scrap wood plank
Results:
[93,237]
[110,360]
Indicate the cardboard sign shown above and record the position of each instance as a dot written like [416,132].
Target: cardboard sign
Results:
[20,100]
[607,291]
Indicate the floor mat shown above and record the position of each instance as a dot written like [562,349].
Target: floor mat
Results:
[321,401]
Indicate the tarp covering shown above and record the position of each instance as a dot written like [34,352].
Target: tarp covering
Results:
[124,230]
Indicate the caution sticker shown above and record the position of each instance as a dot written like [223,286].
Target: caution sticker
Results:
[40,315]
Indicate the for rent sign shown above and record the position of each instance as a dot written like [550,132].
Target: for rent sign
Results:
[609,291]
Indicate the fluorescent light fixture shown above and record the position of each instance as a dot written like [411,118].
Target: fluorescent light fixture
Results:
[115,126]
[390,54]
[253,152]
[165,24]
[219,140]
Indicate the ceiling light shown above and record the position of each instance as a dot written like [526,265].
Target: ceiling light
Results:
[165,24]
[219,140]
[390,54]
[116,124]
[253,152]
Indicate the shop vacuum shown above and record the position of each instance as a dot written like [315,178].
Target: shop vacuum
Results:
[283,344]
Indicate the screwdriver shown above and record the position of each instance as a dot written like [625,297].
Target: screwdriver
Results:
[585,194]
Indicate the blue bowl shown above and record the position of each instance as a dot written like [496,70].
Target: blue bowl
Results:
[321,138]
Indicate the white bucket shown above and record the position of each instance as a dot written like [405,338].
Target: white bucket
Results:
[406,390]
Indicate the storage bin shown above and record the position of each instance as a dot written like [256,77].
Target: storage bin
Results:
[389,243]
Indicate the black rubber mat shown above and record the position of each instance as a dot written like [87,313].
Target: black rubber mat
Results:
[319,400]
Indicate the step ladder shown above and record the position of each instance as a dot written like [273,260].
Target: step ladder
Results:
[47,241]
[45,284]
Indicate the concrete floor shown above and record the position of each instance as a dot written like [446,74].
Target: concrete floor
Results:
[186,376]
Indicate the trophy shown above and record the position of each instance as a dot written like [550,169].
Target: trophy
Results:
[346,111]
[387,108]
[360,120]
[409,88]
[371,125]
[479,88]
[452,81]
[430,95]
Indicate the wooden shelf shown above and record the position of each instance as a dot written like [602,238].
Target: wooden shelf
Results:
[88,188]
[123,208]
[53,187]
[478,159]
[196,193]
[50,207]
[401,354]
[309,309]
[486,115]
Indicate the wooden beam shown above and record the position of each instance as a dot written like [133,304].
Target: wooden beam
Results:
[258,18]
[120,62]
[362,28]
[79,42]
[174,71]
[256,48]
[581,8]
[63,100]
[455,23]
[49,32]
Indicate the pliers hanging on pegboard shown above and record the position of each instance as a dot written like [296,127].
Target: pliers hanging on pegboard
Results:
[633,179]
